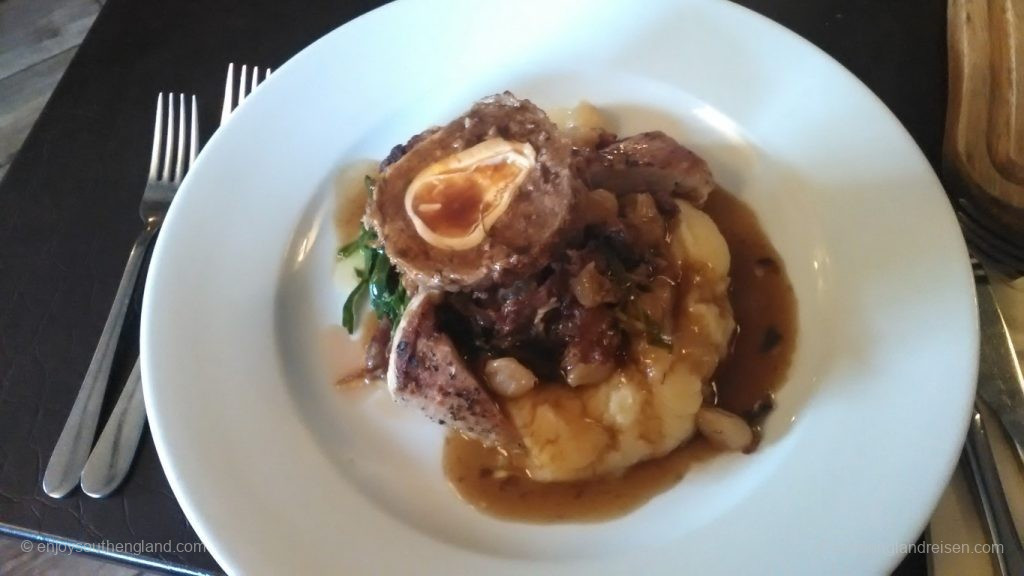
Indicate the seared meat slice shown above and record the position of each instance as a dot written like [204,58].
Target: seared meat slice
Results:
[521,240]
[426,371]
[651,162]
[378,348]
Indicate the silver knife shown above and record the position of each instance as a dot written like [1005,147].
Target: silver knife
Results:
[991,498]
[1000,383]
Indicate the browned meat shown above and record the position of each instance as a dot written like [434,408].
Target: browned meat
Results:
[378,348]
[426,371]
[643,221]
[593,342]
[651,162]
[399,150]
[544,322]
[519,309]
[519,242]
[507,317]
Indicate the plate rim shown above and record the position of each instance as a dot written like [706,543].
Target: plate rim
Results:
[162,441]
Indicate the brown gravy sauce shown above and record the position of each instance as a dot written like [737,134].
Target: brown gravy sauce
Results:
[350,204]
[764,306]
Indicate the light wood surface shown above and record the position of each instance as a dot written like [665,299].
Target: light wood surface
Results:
[37,40]
[22,97]
[1006,127]
[984,143]
[34,30]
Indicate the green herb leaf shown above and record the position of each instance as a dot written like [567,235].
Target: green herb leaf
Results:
[377,277]
[620,275]
[352,247]
[379,281]
[655,337]
[348,311]
[364,240]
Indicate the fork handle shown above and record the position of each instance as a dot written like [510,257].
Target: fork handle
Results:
[112,456]
[72,448]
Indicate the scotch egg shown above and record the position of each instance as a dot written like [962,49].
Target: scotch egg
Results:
[454,201]
[485,198]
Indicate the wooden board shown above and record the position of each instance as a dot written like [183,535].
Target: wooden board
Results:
[34,30]
[22,97]
[37,39]
[1005,125]
[984,145]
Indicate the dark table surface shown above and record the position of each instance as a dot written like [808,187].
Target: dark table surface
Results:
[68,213]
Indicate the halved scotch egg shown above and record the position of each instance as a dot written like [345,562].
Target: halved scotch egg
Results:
[454,201]
[483,199]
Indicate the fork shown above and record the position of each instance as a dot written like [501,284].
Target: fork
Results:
[72,449]
[112,457]
[244,88]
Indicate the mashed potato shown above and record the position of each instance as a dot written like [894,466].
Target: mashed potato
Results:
[648,407]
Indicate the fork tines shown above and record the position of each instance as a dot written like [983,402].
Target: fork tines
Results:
[245,87]
[172,143]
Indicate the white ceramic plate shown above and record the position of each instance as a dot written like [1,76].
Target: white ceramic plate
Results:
[280,473]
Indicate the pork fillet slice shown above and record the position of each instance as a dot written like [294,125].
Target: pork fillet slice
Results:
[427,372]
[651,162]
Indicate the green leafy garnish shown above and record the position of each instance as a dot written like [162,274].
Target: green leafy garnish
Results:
[378,278]
[643,325]
[352,247]
[388,297]
[655,337]
[348,311]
